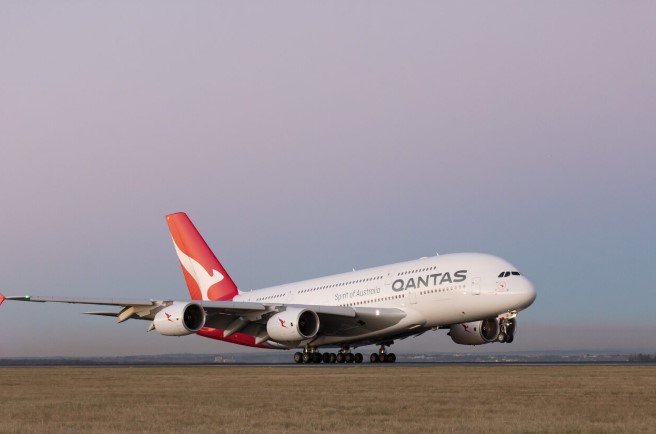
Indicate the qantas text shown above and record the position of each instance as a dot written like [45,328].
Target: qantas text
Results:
[429,280]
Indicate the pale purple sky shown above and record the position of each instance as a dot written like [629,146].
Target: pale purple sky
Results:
[306,139]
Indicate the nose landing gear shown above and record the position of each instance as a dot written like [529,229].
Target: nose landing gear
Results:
[507,330]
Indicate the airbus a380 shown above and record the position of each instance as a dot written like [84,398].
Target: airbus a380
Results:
[475,296]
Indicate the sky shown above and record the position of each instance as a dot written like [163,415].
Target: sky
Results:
[306,139]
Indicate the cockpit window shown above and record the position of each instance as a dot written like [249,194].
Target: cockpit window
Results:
[508,273]
[515,273]
[501,274]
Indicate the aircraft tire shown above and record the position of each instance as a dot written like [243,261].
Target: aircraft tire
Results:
[502,337]
[382,358]
[510,338]
[340,358]
[333,357]
[374,358]
[349,358]
[358,358]
[298,357]
[391,357]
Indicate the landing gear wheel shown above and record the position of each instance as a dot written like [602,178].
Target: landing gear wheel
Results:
[374,358]
[391,357]
[349,357]
[502,337]
[298,357]
[358,358]
[333,358]
[382,357]
[510,338]
[340,358]
[326,357]
[307,357]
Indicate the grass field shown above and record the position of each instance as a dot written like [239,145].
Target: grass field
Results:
[338,398]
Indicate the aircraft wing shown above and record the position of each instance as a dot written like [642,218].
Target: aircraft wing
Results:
[249,318]
[82,300]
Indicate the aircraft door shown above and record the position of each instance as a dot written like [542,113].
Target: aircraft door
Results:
[476,286]
[412,296]
[389,278]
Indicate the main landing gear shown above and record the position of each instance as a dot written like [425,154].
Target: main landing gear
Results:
[311,355]
[382,356]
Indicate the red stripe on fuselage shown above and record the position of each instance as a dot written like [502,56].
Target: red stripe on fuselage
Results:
[236,338]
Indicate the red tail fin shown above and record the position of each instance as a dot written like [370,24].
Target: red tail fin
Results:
[205,276]
[2,298]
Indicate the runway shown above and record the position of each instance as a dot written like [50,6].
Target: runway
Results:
[404,397]
[319,365]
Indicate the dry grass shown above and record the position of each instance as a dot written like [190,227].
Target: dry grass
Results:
[316,399]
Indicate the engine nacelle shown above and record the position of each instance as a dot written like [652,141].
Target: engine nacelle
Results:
[475,333]
[294,324]
[180,319]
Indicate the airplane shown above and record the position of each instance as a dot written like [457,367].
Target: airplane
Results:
[475,296]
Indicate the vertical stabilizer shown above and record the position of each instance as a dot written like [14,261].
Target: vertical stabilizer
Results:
[205,276]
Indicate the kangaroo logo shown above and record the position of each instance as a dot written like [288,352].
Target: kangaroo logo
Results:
[282,322]
[466,327]
[204,279]
[168,316]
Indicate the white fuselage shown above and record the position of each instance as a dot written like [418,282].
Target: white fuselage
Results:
[433,292]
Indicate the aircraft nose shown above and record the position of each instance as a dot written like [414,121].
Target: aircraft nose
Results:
[528,294]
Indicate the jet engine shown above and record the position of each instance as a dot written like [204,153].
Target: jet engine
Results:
[475,333]
[180,319]
[294,324]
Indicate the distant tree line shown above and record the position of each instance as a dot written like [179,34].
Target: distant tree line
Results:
[640,357]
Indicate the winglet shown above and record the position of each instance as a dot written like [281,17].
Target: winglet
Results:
[2,298]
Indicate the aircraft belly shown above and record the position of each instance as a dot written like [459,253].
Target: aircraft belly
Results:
[472,308]
[413,319]
[458,308]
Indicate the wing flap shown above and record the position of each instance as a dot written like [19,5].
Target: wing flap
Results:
[113,314]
